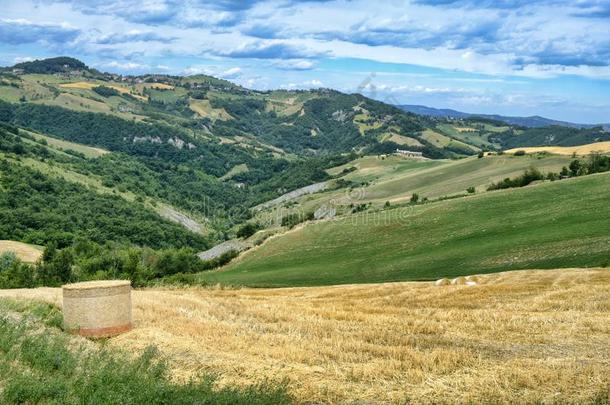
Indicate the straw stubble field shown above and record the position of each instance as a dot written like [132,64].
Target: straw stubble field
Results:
[518,337]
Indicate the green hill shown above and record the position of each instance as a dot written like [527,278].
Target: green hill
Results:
[550,225]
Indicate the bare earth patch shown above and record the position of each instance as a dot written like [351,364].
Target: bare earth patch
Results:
[524,336]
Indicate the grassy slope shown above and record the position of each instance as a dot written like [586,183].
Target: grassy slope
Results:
[395,179]
[63,145]
[39,364]
[550,225]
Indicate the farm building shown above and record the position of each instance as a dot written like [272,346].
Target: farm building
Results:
[408,153]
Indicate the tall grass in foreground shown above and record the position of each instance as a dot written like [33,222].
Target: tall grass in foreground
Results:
[39,364]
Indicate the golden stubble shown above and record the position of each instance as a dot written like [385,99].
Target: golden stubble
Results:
[524,336]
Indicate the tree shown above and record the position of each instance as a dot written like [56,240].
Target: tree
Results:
[575,167]
[49,252]
[470,190]
[247,230]
[62,265]
[414,198]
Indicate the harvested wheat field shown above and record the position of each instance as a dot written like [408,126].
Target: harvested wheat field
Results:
[25,252]
[515,337]
[601,147]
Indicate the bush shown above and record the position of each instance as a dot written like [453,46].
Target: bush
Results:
[105,91]
[247,230]
[292,220]
[414,198]
[529,176]
[520,153]
[470,190]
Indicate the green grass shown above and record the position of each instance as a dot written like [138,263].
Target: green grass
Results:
[39,364]
[235,170]
[62,145]
[479,138]
[550,225]
[395,179]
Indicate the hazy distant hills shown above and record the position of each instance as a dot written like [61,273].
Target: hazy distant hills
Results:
[534,121]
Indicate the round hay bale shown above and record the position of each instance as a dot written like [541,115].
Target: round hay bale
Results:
[459,281]
[97,308]
[442,281]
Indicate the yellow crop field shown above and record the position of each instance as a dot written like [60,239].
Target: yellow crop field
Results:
[90,85]
[465,129]
[602,147]
[205,109]
[535,336]
[158,86]
[26,252]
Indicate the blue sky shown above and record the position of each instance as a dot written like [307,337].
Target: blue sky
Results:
[512,57]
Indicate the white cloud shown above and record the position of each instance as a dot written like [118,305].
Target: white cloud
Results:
[231,73]
[126,65]
[308,84]
[295,64]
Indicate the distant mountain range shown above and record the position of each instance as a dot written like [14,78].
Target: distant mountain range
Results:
[534,121]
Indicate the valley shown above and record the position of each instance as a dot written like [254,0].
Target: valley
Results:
[296,245]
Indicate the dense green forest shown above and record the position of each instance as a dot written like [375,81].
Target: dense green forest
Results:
[147,163]
[331,114]
[38,209]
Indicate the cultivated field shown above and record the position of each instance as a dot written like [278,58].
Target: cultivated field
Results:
[551,225]
[395,178]
[602,147]
[516,337]
[91,85]
[26,252]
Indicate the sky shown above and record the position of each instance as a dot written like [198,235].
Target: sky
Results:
[510,57]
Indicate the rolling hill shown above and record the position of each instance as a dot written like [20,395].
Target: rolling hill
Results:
[532,121]
[377,180]
[534,227]
[193,159]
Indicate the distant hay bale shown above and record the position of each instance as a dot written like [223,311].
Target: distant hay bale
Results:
[442,281]
[473,280]
[459,281]
[97,308]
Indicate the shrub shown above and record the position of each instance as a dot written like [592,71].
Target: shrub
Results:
[247,230]
[292,220]
[520,153]
[529,176]
[471,190]
[414,198]
[105,91]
